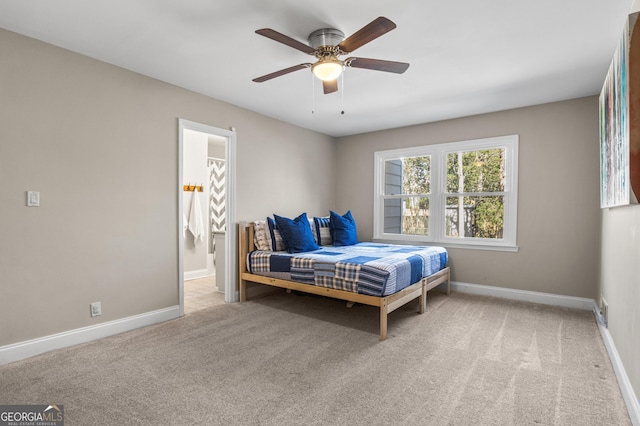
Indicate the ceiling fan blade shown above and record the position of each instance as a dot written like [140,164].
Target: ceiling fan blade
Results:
[281,72]
[377,64]
[369,32]
[274,35]
[330,86]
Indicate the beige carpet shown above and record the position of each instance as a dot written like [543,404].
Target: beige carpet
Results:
[299,360]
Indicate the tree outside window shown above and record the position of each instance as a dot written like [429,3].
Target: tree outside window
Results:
[478,179]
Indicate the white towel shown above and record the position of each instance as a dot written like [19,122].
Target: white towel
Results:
[196,225]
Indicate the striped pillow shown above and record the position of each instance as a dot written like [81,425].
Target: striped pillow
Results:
[322,231]
[275,239]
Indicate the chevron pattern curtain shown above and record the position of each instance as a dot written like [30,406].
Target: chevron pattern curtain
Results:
[217,195]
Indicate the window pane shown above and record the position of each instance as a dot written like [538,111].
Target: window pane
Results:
[410,175]
[409,216]
[475,217]
[476,171]
[393,216]
[393,177]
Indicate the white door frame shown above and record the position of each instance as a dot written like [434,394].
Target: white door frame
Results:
[230,292]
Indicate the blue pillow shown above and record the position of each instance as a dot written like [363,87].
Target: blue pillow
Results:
[343,229]
[296,233]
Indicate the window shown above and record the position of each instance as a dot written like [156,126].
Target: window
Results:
[460,193]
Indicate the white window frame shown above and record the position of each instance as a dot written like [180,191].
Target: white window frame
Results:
[438,154]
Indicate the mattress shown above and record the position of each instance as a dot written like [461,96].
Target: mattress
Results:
[367,268]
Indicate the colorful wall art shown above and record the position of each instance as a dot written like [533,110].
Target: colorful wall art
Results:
[620,122]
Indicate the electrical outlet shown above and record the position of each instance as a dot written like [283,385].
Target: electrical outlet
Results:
[96,309]
[604,309]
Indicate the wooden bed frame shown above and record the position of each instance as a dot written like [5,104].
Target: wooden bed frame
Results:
[387,304]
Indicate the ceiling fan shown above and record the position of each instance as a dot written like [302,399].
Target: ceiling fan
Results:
[327,44]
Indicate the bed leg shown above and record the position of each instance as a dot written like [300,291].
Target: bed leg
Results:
[243,290]
[448,282]
[383,320]
[422,300]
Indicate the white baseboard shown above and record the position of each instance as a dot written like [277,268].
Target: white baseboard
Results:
[524,295]
[29,348]
[198,273]
[630,399]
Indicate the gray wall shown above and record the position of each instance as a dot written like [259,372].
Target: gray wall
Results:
[558,207]
[100,143]
[619,279]
[620,284]
[195,147]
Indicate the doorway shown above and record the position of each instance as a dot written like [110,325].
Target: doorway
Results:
[211,243]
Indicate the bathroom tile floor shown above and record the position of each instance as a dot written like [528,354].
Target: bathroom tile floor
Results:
[201,293]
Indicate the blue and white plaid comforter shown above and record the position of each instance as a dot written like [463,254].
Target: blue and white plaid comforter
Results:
[366,268]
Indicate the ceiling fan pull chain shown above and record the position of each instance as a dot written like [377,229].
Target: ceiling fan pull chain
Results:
[342,94]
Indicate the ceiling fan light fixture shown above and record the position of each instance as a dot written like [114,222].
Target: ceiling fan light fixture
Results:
[328,45]
[327,69]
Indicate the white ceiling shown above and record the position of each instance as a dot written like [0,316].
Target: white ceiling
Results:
[467,57]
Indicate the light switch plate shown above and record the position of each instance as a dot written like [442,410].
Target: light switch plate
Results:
[33,199]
